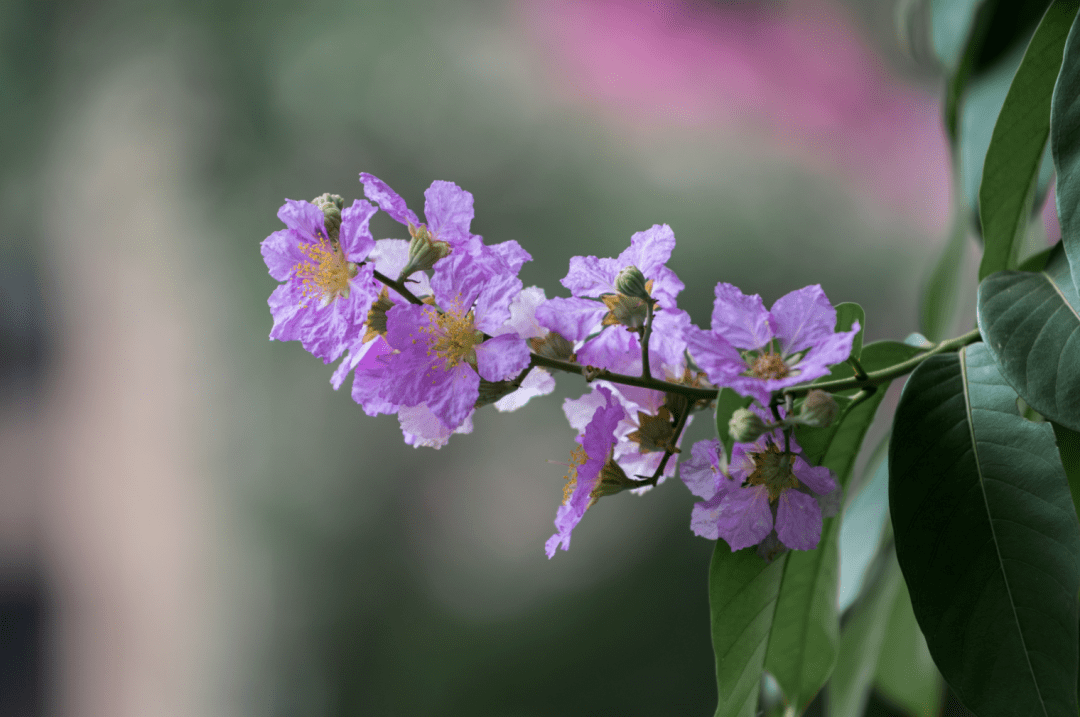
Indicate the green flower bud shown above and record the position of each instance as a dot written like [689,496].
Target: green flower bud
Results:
[746,426]
[331,206]
[631,282]
[818,410]
[424,251]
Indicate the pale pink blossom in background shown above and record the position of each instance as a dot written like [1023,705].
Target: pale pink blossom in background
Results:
[795,74]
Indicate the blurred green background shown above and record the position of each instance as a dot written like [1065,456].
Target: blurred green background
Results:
[193,522]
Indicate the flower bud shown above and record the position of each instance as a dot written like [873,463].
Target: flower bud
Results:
[631,282]
[424,251]
[553,346]
[746,426]
[331,206]
[818,410]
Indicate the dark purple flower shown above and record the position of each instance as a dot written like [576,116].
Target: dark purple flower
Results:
[756,352]
[588,463]
[327,289]
[769,488]
[441,352]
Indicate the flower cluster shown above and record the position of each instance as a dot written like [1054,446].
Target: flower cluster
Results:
[435,326]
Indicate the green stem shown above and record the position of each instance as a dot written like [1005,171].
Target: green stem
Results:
[876,378]
[646,372]
[398,286]
[668,454]
[593,374]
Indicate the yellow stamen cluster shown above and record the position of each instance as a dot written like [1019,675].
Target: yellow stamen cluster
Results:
[453,336]
[772,469]
[325,276]
[577,459]
[769,365]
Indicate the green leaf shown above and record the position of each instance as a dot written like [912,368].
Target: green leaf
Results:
[906,673]
[727,402]
[1011,168]
[864,520]
[1031,324]
[847,313]
[1037,261]
[806,630]
[1065,145]
[862,643]
[987,538]
[950,26]
[942,290]
[743,591]
[1068,443]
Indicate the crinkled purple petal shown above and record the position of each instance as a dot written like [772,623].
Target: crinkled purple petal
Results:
[802,319]
[590,276]
[798,520]
[666,287]
[493,304]
[701,473]
[388,200]
[421,427]
[449,212]
[579,411]
[286,311]
[523,319]
[538,383]
[705,516]
[281,252]
[355,234]
[668,342]
[649,250]
[757,388]
[740,319]
[714,355]
[458,280]
[817,478]
[742,465]
[371,374]
[574,319]
[502,357]
[745,517]
[511,253]
[303,217]
[615,349]
[453,400]
[831,350]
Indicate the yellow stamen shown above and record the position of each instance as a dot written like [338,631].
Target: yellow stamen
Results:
[454,336]
[326,274]
[577,459]
[769,365]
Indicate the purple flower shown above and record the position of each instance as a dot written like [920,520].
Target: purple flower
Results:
[588,464]
[756,352]
[770,487]
[327,289]
[447,207]
[649,251]
[441,353]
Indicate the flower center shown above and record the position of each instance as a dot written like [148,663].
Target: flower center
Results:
[326,274]
[453,336]
[772,469]
[577,459]
[769,365]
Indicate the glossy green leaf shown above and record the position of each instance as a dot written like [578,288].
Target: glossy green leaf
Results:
[1037,261]
[1011,168]
[743,591]
[906,674]
[805,635]
[847,313]
[987,538]
[862,643]
[1068,443]
[864,521]
[727,402]
[1031,324]
[1065,146]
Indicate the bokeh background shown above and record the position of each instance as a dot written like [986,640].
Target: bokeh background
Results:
[193,522]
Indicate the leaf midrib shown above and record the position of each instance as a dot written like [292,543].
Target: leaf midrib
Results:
[993,533]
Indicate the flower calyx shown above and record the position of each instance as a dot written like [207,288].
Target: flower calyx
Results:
[819,409]
[331,206]
[424,251]
[613,479]
[553,346]
[655,433]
